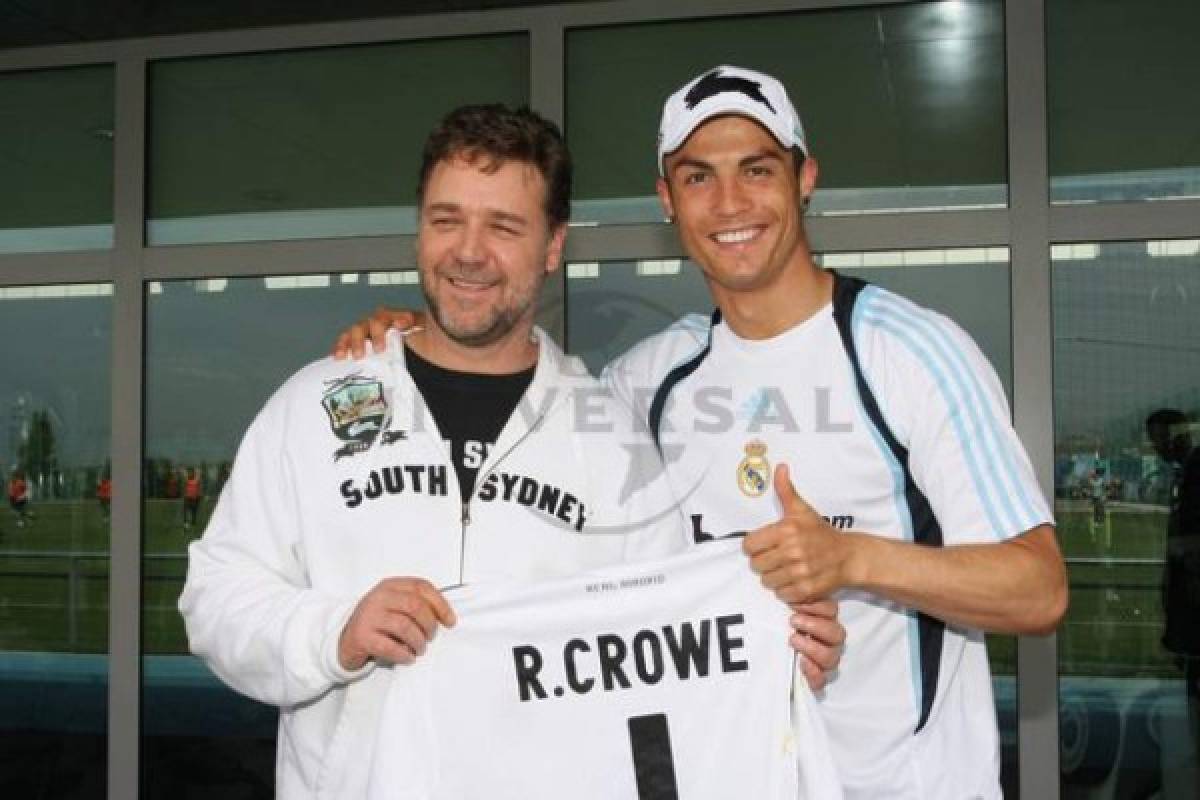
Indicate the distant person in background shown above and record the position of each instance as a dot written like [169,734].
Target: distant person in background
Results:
[193,493]
[171,485]
[104,495]
[18,498]
[1099,493]
[1168,432]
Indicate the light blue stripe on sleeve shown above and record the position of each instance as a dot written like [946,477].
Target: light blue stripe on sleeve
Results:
[903,513]
[988,455]
[1026,513]
[923,354]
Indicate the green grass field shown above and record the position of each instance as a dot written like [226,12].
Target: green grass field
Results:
[54,577]
[56,602]
[1116,618]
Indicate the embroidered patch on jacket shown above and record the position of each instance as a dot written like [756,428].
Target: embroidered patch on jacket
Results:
[357,411]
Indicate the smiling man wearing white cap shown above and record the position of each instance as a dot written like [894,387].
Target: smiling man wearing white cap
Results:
[861,443]
[899,485]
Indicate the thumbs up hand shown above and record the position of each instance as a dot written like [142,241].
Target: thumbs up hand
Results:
[794,506]
[801,557]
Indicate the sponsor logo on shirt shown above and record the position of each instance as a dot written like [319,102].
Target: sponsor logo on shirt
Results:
[843,522]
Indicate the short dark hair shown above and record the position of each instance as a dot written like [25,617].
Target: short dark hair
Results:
[1165,418]
[499,134]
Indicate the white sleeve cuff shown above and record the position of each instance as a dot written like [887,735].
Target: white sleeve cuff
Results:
[329,650]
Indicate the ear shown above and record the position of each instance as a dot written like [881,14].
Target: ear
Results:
[554,249]
[808,178]
[664,197]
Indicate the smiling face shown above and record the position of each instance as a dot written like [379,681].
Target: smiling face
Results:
[736,199]
[484,247]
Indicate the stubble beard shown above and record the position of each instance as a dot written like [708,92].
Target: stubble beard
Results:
[500,322]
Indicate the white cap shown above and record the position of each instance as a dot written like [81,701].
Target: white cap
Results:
[729,90]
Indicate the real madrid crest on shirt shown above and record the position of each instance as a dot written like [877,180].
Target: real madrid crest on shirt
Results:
[357,411]
[754,471]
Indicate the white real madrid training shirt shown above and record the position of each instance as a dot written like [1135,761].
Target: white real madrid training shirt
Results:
[665,679]
[909,712]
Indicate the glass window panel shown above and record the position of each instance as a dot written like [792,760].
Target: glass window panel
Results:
[614,304]
[311,143]
[56,159]
[216,350]
[1125,345]
[916,120]
[54,539]
[71,23]
[1124,124]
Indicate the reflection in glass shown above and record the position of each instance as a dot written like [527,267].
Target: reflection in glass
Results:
[56,148]
[312,143]
[216,350]
[54,539]
[1122,110]
[1127,353]
[916,121]
[613,305]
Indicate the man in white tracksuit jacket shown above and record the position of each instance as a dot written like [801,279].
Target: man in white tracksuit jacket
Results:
[344,482]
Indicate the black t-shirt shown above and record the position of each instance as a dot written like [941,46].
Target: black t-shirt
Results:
[470,410]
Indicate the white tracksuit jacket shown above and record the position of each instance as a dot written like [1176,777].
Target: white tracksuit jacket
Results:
[342,480]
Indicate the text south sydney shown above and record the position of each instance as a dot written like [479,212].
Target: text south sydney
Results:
[433,479]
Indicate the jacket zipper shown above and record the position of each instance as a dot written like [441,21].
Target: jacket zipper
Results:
[465,518]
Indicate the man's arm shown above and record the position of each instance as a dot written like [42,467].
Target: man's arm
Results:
[1015,586]
[352,342]
[248,605]
[248,608]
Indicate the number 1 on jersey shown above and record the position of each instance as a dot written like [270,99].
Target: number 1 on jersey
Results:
[653,766]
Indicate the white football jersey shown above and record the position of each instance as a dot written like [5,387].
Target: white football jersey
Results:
[670,678]
[909,711]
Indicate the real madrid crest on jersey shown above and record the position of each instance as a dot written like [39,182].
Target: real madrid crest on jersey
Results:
[357,411]
[754,471]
